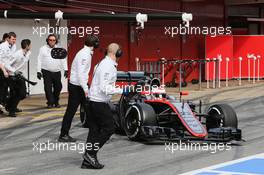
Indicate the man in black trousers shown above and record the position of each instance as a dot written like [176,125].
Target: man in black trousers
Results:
[7,49]
[16,66]
[101,122]
[78,87]
[50,69]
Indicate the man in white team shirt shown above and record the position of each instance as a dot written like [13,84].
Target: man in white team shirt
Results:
[101,122]
[7,49]
[17,65]
[50,69]
[78,87]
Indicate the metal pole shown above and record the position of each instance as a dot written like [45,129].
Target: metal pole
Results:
[180,77]
[200,75]
[28,74]
[219,70]
[207,72]
[214,72]
[258,67]
[240,71]
[163,67]
[88,16]
[159,68]
[147,67]
[137,64]
[227,61]
[151,69]
[254,69]
[248,69]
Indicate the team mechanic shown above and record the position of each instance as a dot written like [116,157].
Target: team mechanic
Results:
[50,69]
[101,122]
[17,86]
[77,86]
[7,49]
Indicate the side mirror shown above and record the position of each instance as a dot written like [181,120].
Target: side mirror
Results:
[183,93]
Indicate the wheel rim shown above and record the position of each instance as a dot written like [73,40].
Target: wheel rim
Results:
[132,121]
[216,120]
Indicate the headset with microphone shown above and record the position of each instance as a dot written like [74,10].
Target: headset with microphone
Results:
[118,53]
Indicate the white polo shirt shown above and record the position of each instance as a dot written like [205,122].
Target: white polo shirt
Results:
[103,83]
[6,51]
[17,62]
[45,61]
[80,68]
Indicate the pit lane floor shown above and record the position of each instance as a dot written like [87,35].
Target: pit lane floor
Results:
[121,156]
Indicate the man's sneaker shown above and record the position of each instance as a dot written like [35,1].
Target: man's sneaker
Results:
[50,106]
[57,105]
[86,165]
[18,110]
[7,109]
[12,114]
[92,160]
[66,138]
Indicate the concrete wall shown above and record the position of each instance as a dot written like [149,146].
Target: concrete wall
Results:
[24,29]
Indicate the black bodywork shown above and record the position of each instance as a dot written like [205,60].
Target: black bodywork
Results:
[152,114]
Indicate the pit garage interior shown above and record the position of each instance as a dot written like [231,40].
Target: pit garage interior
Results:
[226,68]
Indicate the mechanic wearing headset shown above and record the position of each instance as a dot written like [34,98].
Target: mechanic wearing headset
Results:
[50,69]
[78,88]
[101,122]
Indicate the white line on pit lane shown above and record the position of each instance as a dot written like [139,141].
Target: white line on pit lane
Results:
[7,170]
[211,168]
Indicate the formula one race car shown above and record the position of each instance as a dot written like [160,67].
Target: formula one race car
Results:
[149,113]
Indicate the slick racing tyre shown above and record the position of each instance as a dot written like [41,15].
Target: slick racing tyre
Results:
[221,115]
[138,115]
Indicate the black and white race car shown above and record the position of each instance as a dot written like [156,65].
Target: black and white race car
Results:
[152,114]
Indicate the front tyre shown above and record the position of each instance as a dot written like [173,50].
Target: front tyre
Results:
[138,115]
[221,115]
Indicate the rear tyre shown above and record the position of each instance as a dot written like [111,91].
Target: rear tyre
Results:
[138,115]
[221,115]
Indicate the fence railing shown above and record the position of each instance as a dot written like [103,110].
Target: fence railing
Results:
[174,72]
